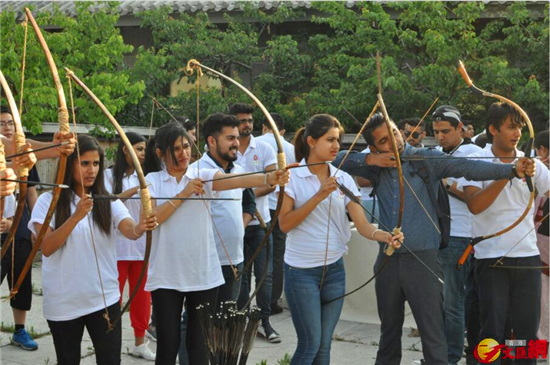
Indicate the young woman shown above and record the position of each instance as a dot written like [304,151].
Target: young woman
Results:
[184,261]
[122,180]
[312,203]
[79,243]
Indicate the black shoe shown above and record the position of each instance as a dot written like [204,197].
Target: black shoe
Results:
[268,332]
[276,308]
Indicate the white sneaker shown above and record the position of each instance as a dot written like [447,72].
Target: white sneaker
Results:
[144,352]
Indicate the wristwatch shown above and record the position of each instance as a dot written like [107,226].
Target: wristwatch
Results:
[449,184]
[515,171]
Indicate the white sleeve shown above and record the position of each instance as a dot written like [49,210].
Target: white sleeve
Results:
[119,212]
[108,180]
[289,188]
[541,177]
[208,174]
[270,157]
[9,206]
[39,212]
[151,183]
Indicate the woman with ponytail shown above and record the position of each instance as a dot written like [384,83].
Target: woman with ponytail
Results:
[122,180]
[80,242]
[314,216]
[184,263]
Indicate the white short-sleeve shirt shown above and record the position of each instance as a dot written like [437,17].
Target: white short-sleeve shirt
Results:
[306,243]
[505,210]
[227,217]
[461,218]
[257,157]
[184,255]
[70,279]
[269,138]
[126,249]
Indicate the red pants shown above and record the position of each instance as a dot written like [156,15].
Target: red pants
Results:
[140,309]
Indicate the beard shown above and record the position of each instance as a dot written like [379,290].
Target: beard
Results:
[226,156]
[245,132]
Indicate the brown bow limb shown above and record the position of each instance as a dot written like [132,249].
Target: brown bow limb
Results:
[146,206]
[476,90]
[423,117]
[3,168]
[22,172]
[63,118]
[281,159]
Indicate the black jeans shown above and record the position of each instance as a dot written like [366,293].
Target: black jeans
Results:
[67,337]
[23,247]
[168,305]
[279,244]
[405,279]
[509,293]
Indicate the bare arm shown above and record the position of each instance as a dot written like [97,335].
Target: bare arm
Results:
[276,177]
[32,197]
[479,200]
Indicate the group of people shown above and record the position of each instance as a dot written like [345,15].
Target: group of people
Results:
[211,210]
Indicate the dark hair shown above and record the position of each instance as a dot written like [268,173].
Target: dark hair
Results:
[277,118]
[467,122]
[5,109]
[497,115]
[240,108]
[189,125]
[373,123]
[481,140]
[541,140]
[402,123]
[164,139]
[316,127]
[120,166]
[413,122]
[102,208]
[214,124]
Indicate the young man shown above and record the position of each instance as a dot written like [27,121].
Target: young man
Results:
[278,236]
[413,134]
[447,128]
[256,156]
[497,204]
[404,278]
[22,245]
[468,129]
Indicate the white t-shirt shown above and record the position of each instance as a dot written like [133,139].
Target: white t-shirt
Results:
[70,280]
[306,243]
[365,191]
[126,249]
[505,210]
[9,206]
[184,255]
[269,138]
[227,217]
[257,157]
[461,218]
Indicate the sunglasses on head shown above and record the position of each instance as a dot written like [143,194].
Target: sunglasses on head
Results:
[414,135]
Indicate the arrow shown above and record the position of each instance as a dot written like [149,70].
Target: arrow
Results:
[61,186]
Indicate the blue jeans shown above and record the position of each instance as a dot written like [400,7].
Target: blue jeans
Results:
[253,236]
[368,205]
[454,295]
[314,323]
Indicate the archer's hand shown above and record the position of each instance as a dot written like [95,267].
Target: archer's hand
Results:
[7,187]
[394,240]
[278,177]
[25,161]
[327,187]
[148,223]
[382,159]
[194,187]
[525,166]
[84,206]
[67,149]
[5,224]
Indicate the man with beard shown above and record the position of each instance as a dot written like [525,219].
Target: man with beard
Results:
[254,156]
[221,134]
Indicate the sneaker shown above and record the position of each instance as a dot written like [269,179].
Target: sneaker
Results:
[144,352]
[23,339]
[151,333]
[276,308]
[268,332]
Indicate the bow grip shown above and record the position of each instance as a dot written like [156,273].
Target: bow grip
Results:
[389,249]
[528,149]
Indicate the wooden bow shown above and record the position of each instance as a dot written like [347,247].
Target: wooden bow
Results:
[63,118]
[146,207]
[528,148]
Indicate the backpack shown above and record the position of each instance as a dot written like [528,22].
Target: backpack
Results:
[440,201]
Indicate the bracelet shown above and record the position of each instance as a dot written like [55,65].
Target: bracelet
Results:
[373,233]
[134,230]
[174,205]
[514,172]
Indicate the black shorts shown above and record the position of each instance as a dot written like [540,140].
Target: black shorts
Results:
[23,247]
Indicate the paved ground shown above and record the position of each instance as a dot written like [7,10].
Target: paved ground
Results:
[354,343]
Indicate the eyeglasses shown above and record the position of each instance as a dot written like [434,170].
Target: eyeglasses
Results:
[250,120]
[414,135]
[7,124]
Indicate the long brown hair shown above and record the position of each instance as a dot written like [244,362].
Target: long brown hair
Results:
[316,127]
[102,208]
